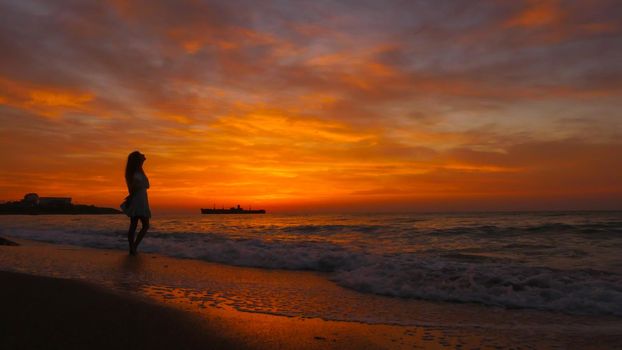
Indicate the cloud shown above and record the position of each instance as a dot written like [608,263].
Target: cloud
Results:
[305,101]
[553,21]
[537,14]
[45,101]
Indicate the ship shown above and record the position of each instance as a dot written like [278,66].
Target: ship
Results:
[232,210]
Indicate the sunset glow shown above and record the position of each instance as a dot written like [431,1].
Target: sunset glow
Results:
[310,105]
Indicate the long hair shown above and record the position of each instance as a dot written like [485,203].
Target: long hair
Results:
[134,164]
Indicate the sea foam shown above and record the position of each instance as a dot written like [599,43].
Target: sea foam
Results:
[511,263]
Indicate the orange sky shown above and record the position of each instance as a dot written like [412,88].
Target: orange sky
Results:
[312,106]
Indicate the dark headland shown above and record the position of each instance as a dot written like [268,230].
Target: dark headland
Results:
[32,204]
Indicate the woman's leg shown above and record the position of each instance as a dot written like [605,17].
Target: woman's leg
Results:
[143,230]
[130,234]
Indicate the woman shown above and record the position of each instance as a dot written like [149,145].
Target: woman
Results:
[136,205]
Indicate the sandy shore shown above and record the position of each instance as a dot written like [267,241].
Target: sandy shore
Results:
[105,299]
[43,313]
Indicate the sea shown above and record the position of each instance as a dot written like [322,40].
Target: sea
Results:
[568,262]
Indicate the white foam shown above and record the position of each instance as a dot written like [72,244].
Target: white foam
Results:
[408,275]
[507,285]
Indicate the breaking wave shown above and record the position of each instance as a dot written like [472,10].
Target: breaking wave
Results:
[497,265]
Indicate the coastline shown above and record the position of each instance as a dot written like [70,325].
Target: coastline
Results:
[229,318]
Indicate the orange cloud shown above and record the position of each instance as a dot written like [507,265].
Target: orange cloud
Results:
[538,14]
[551,22]
[44,101]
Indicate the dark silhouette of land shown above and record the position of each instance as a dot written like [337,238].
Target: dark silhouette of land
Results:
[32,204]
[4,241]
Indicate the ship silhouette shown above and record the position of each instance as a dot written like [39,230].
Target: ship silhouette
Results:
[232,210]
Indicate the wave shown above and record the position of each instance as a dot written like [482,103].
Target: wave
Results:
[495,284]
[330,229]
[585,229]
[440,276]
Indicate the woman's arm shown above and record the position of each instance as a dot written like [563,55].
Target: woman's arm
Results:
[137,183]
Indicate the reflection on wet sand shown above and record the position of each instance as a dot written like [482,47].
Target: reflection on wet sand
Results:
[246,302]
[130,268]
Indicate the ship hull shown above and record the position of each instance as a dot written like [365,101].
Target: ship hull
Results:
[232,211]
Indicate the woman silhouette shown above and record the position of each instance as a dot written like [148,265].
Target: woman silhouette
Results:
[136,205]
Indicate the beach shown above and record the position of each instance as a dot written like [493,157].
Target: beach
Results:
[311,174]
[42,312]
[70,297]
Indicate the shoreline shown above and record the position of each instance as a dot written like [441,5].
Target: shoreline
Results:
[245,305]
[53,313]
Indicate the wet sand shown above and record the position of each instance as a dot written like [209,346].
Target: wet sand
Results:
[44,313]
[105,299]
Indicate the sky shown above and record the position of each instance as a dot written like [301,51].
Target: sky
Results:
[315,105]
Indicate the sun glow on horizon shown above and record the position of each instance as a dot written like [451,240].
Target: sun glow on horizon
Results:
[506,105]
